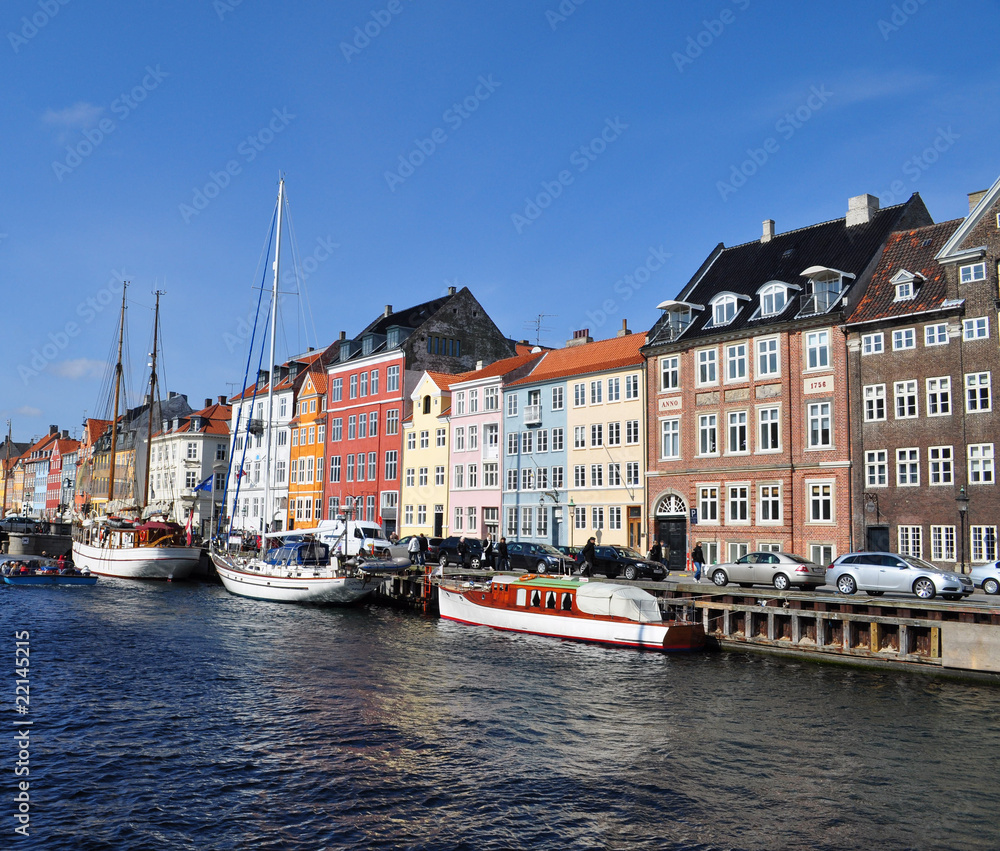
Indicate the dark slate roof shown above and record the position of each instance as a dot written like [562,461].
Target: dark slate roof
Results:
[914,251]
[744,269]
[412,317]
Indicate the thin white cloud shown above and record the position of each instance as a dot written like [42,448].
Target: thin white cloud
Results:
[28,411]
[76,117]
[78,368]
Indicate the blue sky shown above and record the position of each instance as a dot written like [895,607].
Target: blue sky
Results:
[144,140]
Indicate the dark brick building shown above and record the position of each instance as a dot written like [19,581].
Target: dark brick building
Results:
[748,419]
[922,352]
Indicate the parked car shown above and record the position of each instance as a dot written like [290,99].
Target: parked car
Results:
[876,573]
[538,558]
[573,553]
[19,524]
[624,561]
[782,570]
[447,551]
[987,577]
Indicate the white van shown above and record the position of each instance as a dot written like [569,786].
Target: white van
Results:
[350,537]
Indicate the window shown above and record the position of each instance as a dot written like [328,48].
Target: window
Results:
[818,350]
[976,329]
[820,426]
[421,476]
[580,476]
[615,517]
[614,389]
[876,468]
[557,398]
[632,472]
[374,382]
[410,477]
[337,390]
[335,468]
[541,522]
[541,477]
[820,553]
[361,467]
[768,434]
[614,434]
[981,464]
[512,480]
[597,515]
[439,475]
[736,362]
[738,549]
[363,390]
[474,438]
[460,403]
[526,517]
[391,464]
[293,475]
[631,432]
[737,431]
[724,310]
[670,438]
[972,272]
[511,515]
[511,404]
[392,421]
[906,399]
[984,543]
[512,443]
[425,439]
[321,433]
[192,451]
[707,429]
[614,475]
[352,428]
[596,476]
[349,473]
[557,440]
[459,440]
[354,387]
[772,299]
[708,366]
[936,335]
[579,437]
[411,440]
[939,464]
[907,467]
[362,426]
[190,479]
[821,503]
[580,517]
[595,392]
[373,424]
[631,387]
[557,477]
[708,504]
[872,344]
[458,478]
[767,357]
[670,373]
[904,291]
[579,395]
[527,442]
[874,402]
[596,434]
[903,339]
[491,475]
[942,543]
[770,504]
[939,396]
[392,379]
[491,398]
[739,504]
[421,515]
[977,392]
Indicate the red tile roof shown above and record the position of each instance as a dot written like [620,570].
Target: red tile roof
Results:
[615,353]
[502,367]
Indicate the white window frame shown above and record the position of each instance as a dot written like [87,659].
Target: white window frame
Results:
[872,344]
[936,334]
[908,467]
[903,339]
[768,357]
[940,465]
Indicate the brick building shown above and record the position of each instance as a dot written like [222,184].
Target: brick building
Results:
[922,350]
[749,440]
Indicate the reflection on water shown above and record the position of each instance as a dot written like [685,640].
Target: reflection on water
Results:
[180,716]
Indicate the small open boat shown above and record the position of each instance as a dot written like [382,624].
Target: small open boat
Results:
[561,607]
[40,573]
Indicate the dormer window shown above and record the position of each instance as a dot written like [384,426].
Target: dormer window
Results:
[906,284]
[677,316]
[904,291]
[823,289]
[772,300]
[724,310]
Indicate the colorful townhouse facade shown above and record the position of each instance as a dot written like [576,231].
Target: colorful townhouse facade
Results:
[749,424]
[307,462]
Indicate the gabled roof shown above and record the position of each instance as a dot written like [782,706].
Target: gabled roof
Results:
[913,251]
[316,359]
[744,269]
[411,317]
[501,367]
[952,248]
[444,380]
[215,420]
[599,356]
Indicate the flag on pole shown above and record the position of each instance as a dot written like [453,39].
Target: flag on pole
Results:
[206,485]
[190,519]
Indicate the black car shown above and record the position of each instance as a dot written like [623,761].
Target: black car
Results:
[15,524]
[572,553]
[447,552]
[627,563]
[538,558]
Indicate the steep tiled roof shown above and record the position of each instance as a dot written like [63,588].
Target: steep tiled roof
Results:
[444,380]
[912,251]
[599,356]
[215,420]
[503,367]
[744,269]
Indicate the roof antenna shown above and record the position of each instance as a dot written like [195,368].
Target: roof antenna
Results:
[537,324]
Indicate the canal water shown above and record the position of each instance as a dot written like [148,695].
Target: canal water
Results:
[178,716]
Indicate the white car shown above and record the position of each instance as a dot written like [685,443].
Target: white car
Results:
[876,573]
[987,577]
[782,570]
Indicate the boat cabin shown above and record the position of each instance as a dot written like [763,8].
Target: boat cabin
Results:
[552,595]
[299,553]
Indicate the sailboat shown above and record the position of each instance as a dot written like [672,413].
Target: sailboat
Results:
[121,542]
[301,569]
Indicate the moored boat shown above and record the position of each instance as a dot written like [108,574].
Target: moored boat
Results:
[561,607]
[34,573]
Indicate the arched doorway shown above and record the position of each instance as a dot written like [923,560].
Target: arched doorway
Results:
[670,519]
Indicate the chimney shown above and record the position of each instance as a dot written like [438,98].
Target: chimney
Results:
[451,291]
[222,400]
[53,429]
[861,209]
[479,365]
[768,234]
[388,310]
[976,197]
[65,434]
[343,336]
[624,332]
[208,403]
[580,338]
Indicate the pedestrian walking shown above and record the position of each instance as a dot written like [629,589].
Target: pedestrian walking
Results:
[655,552]
[698,558]
[587,554]
[504,562]
[413,549]
[463,552]
[422,552]
[488,553]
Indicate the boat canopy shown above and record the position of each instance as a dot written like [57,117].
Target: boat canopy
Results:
[621,601]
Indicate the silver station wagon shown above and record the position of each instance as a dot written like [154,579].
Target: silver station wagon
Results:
[876,573]
[782,570]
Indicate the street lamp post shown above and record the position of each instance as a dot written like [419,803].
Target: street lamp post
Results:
[963,508]
[572,519]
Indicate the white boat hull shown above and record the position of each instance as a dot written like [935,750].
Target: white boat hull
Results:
[309,586]
[456,606]
[137,562]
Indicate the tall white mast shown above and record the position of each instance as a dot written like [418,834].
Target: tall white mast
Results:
[271,377]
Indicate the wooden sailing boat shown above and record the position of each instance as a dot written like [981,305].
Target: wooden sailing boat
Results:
[300,571]
[121,543]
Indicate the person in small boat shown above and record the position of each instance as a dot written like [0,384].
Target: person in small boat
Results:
[587,554]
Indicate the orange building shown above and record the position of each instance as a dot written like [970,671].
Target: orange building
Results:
[306,462]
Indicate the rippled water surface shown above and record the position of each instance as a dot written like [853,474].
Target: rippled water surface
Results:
[178,716]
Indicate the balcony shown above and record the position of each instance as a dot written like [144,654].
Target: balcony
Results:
[532,415]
